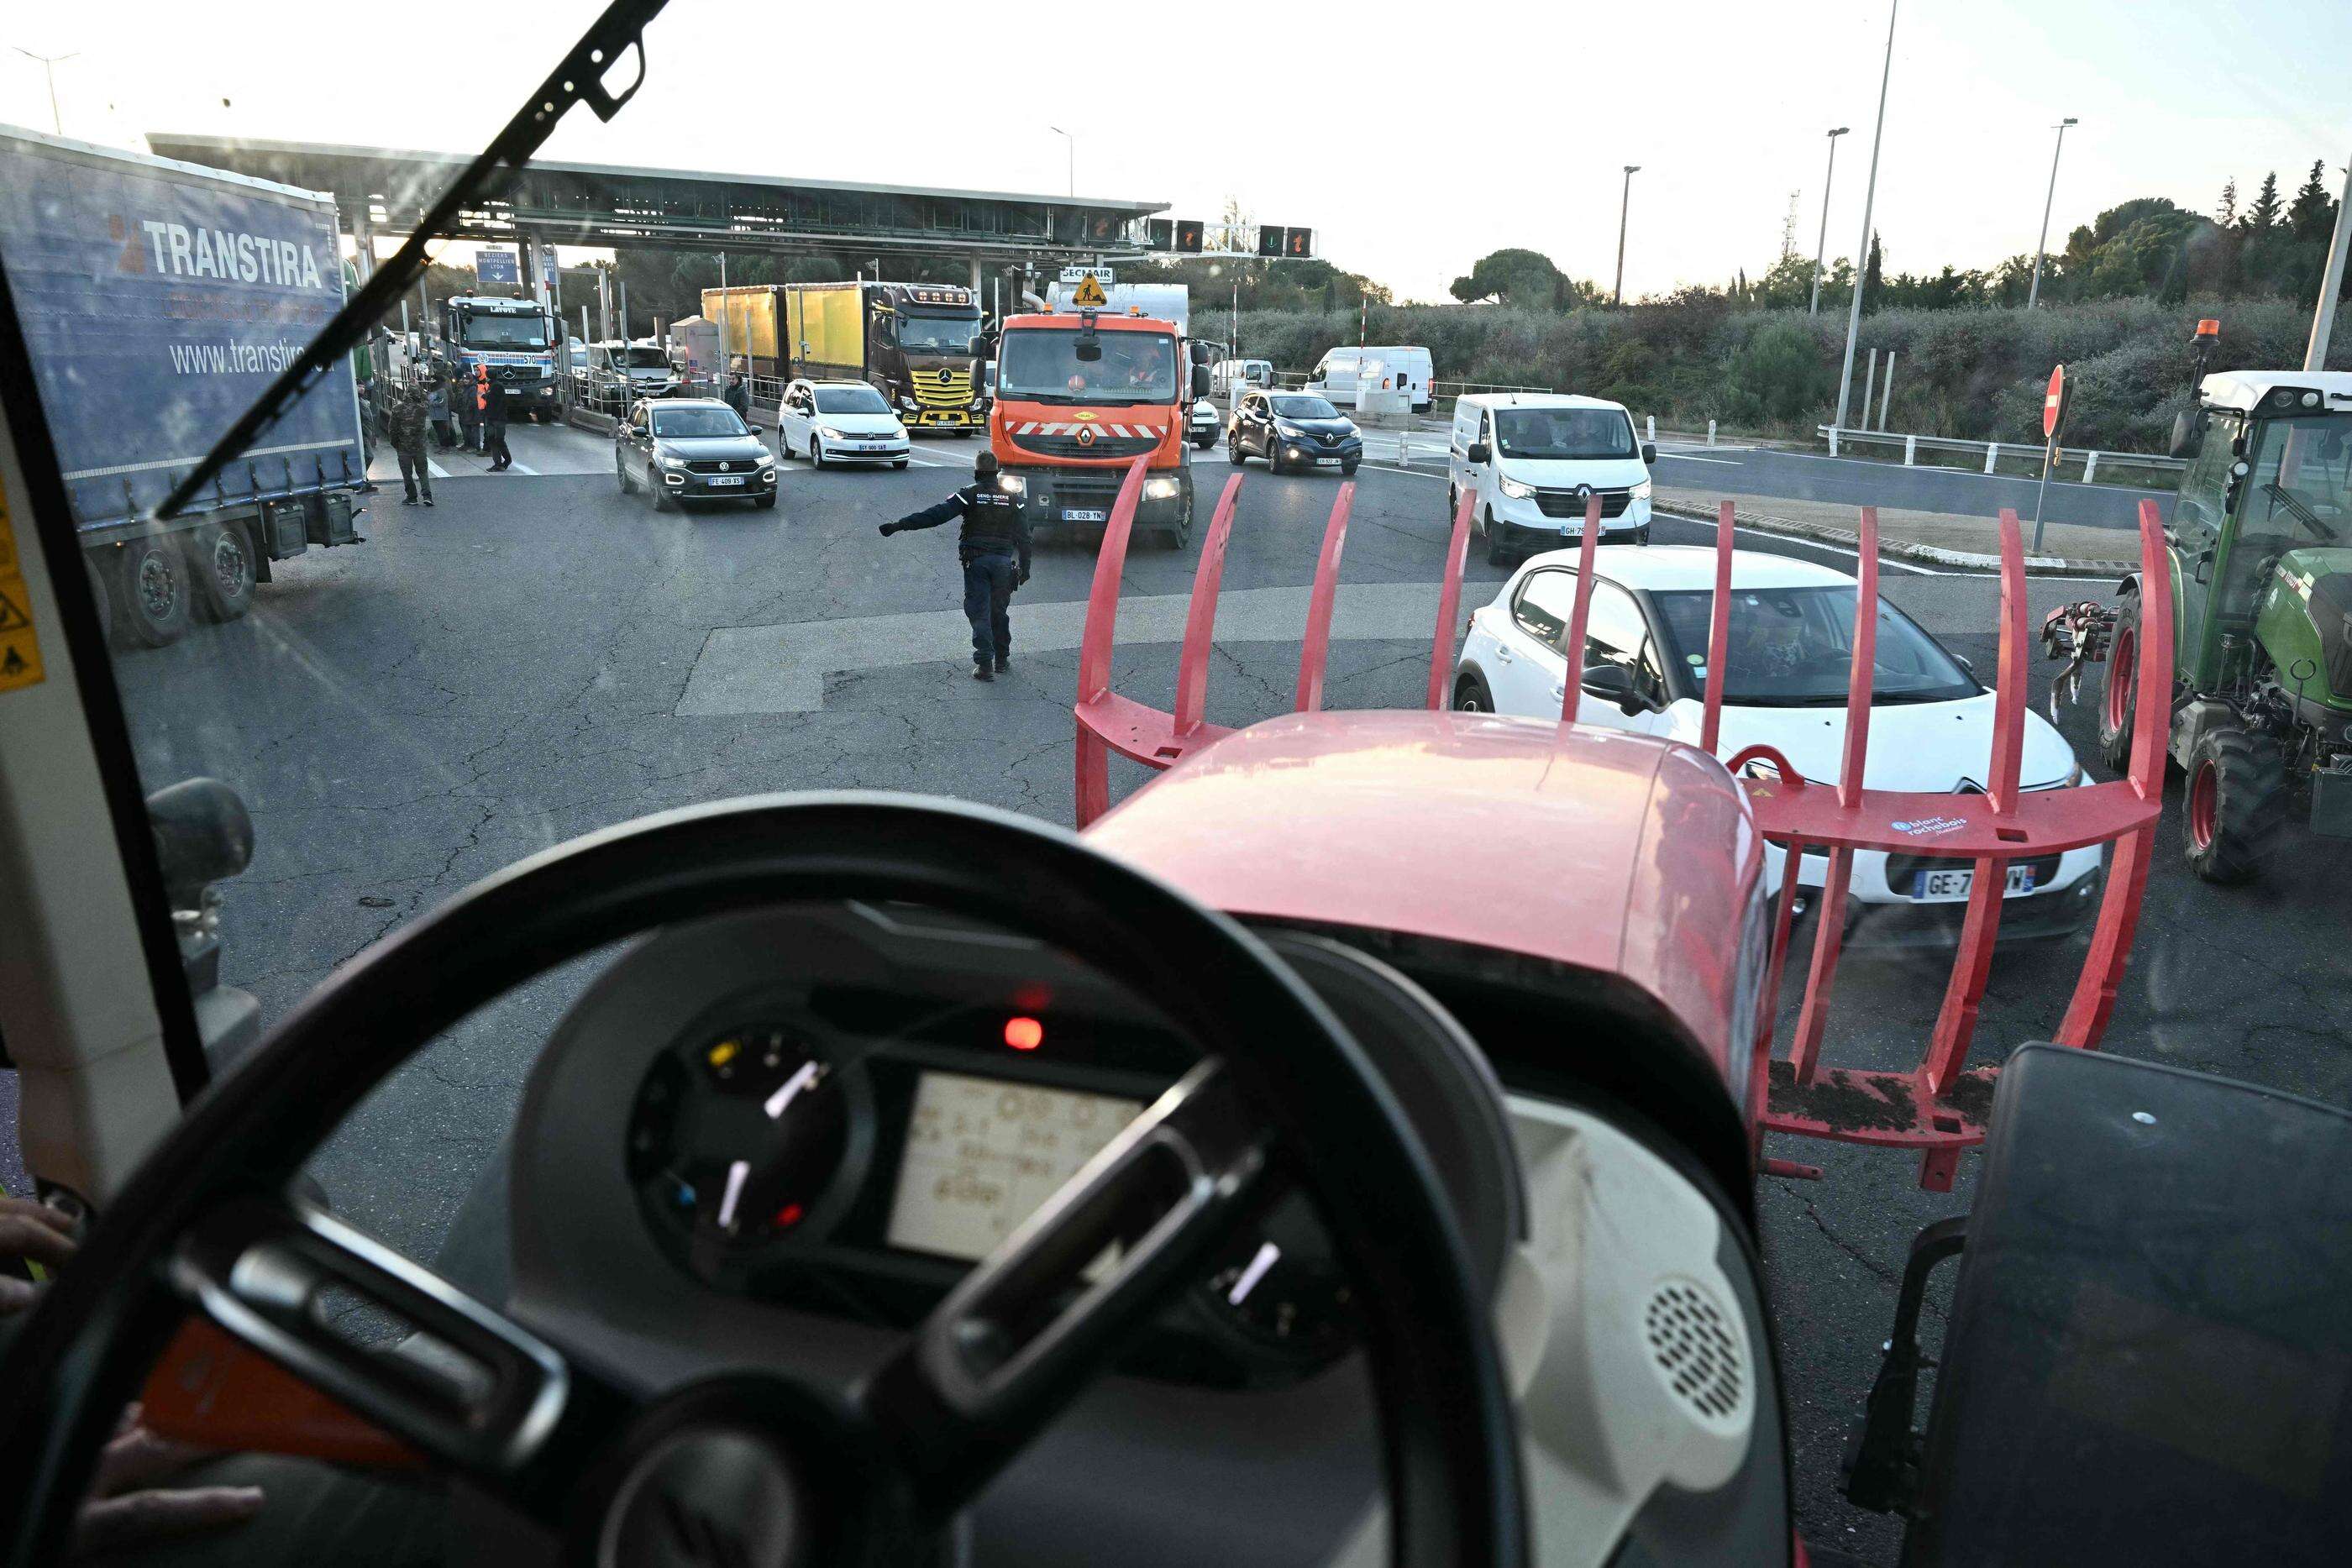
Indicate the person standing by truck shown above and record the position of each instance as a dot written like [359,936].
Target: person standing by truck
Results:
[494,427]
[407,429]
[995,550]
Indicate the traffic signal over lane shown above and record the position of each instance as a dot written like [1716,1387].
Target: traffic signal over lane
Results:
[1299,242]
[1190,234]
[1269,239]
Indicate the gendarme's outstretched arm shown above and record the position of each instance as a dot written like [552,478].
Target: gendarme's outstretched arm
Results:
[931,517]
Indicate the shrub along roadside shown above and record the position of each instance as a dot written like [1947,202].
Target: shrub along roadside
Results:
[1977,374]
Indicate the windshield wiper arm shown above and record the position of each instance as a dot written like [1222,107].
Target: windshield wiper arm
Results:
[578,76]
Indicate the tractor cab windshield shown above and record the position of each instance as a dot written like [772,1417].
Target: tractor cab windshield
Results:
[2298,493]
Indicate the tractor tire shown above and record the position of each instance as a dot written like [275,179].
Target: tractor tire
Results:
[2119,699]
[220,558]
[2235,809]
[156,589]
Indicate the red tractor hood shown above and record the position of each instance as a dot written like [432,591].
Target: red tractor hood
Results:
[1613,852]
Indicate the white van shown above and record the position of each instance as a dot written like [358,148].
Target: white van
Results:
[1534,458]
[1230,376]
[1404,367]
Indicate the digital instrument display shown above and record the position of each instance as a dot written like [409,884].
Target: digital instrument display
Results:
[982,1153]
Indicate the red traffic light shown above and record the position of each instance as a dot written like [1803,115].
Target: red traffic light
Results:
[1191,233]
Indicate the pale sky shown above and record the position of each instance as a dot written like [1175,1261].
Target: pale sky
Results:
[1412,140]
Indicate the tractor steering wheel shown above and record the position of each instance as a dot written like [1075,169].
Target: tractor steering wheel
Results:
[206,1225]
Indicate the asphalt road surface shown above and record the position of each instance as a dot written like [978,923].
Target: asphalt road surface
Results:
[541,655]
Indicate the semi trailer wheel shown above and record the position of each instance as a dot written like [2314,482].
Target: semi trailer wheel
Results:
[2236,805]
[220,560]
[156,589]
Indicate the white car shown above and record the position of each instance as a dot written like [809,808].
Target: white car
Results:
[1645,668]
[839,421]
[1205,426]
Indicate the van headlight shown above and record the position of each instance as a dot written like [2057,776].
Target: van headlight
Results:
[1513,488]
[1641,491]
[1164,488]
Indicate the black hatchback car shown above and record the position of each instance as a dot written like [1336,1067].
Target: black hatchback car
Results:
[1293,430]
[693,449]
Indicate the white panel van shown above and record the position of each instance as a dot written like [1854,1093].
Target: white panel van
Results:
[1533,459]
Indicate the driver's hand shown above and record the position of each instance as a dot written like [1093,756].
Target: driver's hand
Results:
[34,1233]
[126,1511]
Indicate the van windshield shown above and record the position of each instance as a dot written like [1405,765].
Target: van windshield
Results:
[1564,433]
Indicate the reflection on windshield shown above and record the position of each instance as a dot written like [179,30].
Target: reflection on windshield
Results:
[646,360]
[1043,364]
[938,334]
[1564,433]
[504,332]
[1792,647]
[688,423]
[1304,408]
[850,399]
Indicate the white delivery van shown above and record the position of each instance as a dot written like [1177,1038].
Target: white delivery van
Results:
[1408,366]
[1230,376]
[1534,459]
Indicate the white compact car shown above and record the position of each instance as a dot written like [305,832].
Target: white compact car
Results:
[1204,426]
[839,421]
[1535,459]
[1644,668]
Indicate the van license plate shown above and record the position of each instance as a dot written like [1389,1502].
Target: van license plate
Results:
[1950,886]
[1084,515]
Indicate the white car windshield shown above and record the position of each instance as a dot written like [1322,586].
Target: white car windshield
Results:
[1793,647]
[850,399]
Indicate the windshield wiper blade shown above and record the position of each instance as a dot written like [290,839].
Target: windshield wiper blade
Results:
[579,76]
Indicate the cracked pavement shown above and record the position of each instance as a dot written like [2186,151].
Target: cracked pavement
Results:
[503,673]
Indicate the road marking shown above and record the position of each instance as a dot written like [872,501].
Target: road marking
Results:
[1687,457]
[520,468]
[782,669]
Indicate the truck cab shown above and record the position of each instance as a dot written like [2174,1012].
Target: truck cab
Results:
[517,338]
[1079,397]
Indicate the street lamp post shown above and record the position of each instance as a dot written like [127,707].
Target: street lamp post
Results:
[1623,200]
[1869,192]
[2041,246]
[1822,244]
[1073,150]
[49,64]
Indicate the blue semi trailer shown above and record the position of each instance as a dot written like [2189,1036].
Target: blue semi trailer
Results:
[158,299]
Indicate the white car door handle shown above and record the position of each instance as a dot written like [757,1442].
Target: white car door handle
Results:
[1503,653]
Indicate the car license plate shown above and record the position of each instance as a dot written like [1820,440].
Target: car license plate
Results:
[727,479]
[1330,461]
[1084,515]
[1949,886]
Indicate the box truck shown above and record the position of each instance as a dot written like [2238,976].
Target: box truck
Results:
[158,299]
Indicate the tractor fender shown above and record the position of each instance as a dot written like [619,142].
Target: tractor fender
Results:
[2130,584]
[2194,719]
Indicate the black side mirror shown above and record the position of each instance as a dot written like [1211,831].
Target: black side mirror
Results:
[1649,454]
[1479,452]
[2187,426]
[977,348]
[202,835]
[758,429]
[1610,682]
[1200,381]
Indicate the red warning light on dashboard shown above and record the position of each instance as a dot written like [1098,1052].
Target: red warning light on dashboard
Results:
[788,1216]
[1023,1033]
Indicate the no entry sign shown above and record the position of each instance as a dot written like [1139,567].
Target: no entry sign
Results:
[2053,403]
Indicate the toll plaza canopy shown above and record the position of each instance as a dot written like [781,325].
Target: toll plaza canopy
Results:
[386,191]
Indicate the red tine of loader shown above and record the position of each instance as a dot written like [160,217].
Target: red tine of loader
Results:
[1940,1107]
[1108,722]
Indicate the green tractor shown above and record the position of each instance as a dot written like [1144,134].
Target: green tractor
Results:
[2261,552]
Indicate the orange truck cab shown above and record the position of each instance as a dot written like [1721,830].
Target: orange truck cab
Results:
[1079,396]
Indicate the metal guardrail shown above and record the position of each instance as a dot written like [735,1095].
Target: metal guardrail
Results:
[1991,452]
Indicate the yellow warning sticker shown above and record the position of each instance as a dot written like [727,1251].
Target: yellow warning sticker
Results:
[20,649]
[1089,296]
